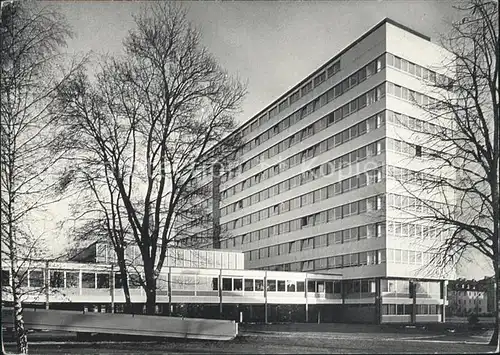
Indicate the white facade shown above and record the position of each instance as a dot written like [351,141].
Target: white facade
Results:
[315,188]
[280,195]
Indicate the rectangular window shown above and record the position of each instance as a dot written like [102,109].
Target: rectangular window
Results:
[319,79]
[72,279]
[102,280]
[306,88]
[271,285]
[227,284]
[88,280]
[56,279]
[248,284]
[294,97]
[281,285]
[215,284]
[238,284]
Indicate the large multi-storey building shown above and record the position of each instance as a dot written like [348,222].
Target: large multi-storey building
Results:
[317,186]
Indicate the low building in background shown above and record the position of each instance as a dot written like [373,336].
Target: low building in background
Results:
[488,285]
[466,297]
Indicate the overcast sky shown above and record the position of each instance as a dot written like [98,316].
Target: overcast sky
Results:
[271,45]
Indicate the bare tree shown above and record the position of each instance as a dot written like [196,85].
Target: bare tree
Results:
[148,122]
[460,139]
[31,67]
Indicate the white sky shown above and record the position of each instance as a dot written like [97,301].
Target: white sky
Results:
[270,44]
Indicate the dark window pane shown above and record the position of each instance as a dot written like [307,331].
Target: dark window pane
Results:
[310,286]
[238,285]
[102,281]
[281,286]
[88,280]
[5,278]
[271,285]
[300,286]
[56,279]
[215,283]
[329,287]
[227,284]
[259,285]
[36,278]
[118,280]
[72,279]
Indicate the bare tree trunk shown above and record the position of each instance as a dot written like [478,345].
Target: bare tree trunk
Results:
[150,301]
[150,291]
[125,285]
[150,296]
[21,335]
[495,338]
[19,329]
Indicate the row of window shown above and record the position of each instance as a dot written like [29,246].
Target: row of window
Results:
[337,115]
[371,257]
[361,206]
[409,203]
[407,309]
[415,150]
[372,203]
[348,83]
[342,87]
[406,175]
[410,95]
[374,122]
[257,285]
[304,90]
[373,149]
[475,301]
[424,289]
[416,231]
[339,89]
[336,91]
[66,279]
[401,256]
[355,182]
[357,130]
[418,71]
[373,230]
[417,125]
[353,106]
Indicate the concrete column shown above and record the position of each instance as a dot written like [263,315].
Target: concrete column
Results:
[112,287]
[216,205]
[444,293]
[169,290]
[220,295]
[80,281]
[307,302]
[47,285]
[378,301]
[413,295]
[265,297]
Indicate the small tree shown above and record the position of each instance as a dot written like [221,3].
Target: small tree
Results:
[148,124]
